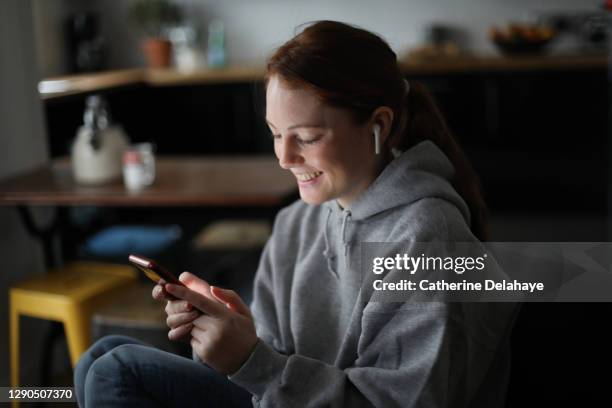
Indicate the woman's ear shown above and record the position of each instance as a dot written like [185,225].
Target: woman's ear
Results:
[383,117]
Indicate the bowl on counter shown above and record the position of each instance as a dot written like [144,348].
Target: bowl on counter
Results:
[522,39]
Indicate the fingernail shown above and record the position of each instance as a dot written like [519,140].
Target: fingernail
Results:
[189,307]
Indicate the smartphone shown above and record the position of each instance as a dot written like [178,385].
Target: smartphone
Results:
[153,270]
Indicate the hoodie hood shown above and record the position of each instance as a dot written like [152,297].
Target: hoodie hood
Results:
[422,171]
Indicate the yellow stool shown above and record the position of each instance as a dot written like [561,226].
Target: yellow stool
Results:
[68,295]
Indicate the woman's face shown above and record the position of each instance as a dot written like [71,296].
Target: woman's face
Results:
[331,156]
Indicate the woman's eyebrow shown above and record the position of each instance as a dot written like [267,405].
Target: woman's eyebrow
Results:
[302,125]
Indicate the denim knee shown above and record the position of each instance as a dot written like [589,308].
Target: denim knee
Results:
[99,348]
[112,371]
[96,351]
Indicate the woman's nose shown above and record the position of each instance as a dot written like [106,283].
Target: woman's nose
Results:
[287,154]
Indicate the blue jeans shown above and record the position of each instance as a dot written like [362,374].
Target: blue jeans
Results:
[121,371]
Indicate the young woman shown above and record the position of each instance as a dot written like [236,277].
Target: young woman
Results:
[374,162]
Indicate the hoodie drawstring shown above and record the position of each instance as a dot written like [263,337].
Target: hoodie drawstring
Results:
[345,218]
[328,253]
[327,247]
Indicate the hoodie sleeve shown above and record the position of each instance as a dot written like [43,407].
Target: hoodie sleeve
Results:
[404,360]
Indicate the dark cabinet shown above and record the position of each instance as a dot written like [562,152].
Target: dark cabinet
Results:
[537,138]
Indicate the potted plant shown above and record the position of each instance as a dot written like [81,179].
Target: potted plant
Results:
[154,18]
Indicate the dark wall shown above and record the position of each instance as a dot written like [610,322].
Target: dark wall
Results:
[203,119]
[538,140]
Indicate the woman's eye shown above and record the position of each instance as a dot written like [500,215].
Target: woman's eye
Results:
[308,141]
[297,139]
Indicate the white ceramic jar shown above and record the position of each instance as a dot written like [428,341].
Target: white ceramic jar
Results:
[98,148]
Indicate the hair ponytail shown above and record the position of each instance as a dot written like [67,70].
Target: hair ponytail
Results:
[424,121]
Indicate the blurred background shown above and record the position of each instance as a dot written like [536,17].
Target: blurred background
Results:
[524,86]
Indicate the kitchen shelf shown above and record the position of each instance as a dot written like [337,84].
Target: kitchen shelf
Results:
[171,77]
[75,84]
[489,63]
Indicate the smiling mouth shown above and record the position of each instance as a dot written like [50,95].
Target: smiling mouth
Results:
[308,176]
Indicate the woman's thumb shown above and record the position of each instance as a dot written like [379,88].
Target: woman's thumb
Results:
[194,283]
[231,300]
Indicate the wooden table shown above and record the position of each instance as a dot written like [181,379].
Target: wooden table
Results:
[195,181]
[220,182]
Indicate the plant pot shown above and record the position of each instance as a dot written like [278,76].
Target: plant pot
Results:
[158,52]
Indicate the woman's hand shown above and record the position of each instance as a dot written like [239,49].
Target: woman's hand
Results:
[181,313]
[224,335]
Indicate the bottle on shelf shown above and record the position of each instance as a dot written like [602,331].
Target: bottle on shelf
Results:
[216,57]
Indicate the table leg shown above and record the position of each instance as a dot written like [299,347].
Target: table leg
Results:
[45,235]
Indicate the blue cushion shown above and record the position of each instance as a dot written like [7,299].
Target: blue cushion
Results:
[121,241]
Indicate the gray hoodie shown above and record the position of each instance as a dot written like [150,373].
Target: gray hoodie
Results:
[323,343]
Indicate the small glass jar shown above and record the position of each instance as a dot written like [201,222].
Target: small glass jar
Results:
[134,176]
[139,166]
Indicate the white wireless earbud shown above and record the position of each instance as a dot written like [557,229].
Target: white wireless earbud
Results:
[376,130]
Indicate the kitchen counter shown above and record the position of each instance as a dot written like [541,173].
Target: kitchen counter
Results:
[74,84]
